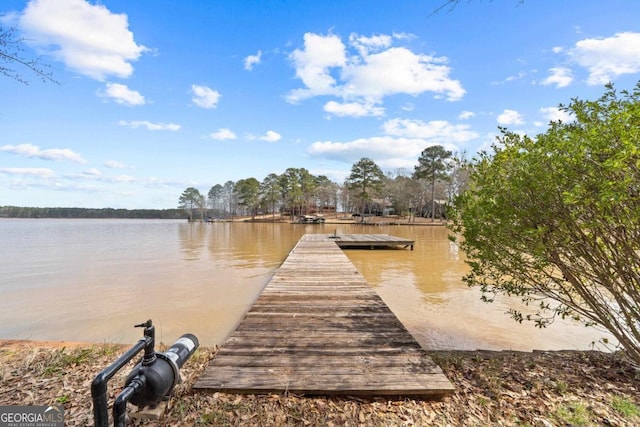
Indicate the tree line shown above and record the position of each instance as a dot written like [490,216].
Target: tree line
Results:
[31,212]
[425,191]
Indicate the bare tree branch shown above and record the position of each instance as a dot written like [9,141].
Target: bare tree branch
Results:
[449,5]
[11,54]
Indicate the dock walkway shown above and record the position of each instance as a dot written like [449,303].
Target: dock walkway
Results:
[319,328]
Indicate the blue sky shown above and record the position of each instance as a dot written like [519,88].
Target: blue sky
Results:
[159,95]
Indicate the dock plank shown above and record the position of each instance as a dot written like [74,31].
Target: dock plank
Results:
[319,328]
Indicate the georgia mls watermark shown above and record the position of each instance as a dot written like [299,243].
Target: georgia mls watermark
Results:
[32,416]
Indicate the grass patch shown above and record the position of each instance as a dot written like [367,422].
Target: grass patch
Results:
[561,387]
[574,414]
[108,349]
[62,399]
[483,401]
[55,362]
[625,407]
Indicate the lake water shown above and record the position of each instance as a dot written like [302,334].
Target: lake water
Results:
[92,280]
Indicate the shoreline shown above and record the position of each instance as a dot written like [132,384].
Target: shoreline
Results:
[10,343]
[24,343]
[538,388]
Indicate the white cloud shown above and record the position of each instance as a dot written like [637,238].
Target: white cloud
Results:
[114,164]
[58,154]
[433,132]
[205,97]
[121,94]
[92,173]
[313,64]
[353,109]
[335,175]
[368,70]
[559,76]
[466,115]
[387,151]
[608,58]
[96,176]
[401,145]
[553,114]
[520,75]
[123,179]
[149,125]
[514,77]
[364,45]
[223,134]
[88,38]
[510,117]
[398,70]
[37,172]
[154,182]
[271,136]
[252,60]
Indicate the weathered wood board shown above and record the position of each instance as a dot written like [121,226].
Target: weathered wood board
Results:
[318,328]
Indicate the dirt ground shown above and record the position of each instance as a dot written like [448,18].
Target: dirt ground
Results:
[559,388]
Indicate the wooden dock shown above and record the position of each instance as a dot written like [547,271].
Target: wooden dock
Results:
[318,328]
[370,241]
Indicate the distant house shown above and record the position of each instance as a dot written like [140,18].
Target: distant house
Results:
[381,207]
[440,208]
[309,209]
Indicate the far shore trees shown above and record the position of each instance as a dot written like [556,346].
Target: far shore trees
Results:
[433,167]
[404,193]
[190,200]
[215,196]
[229,197]
[326,194]
[459,173]
[248,191]
[365,181]
[291,191]
[555,219]
[296,191]
[270,193]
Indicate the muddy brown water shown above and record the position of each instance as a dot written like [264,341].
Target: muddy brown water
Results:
[91,280]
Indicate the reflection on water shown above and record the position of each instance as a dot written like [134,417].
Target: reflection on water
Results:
[91,280]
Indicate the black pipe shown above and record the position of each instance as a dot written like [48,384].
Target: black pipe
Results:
[99,384]
[150,381]
[120,404]
[150,335]
[163,375]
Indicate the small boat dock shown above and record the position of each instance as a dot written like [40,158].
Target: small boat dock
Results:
[367,241]
[318,328]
